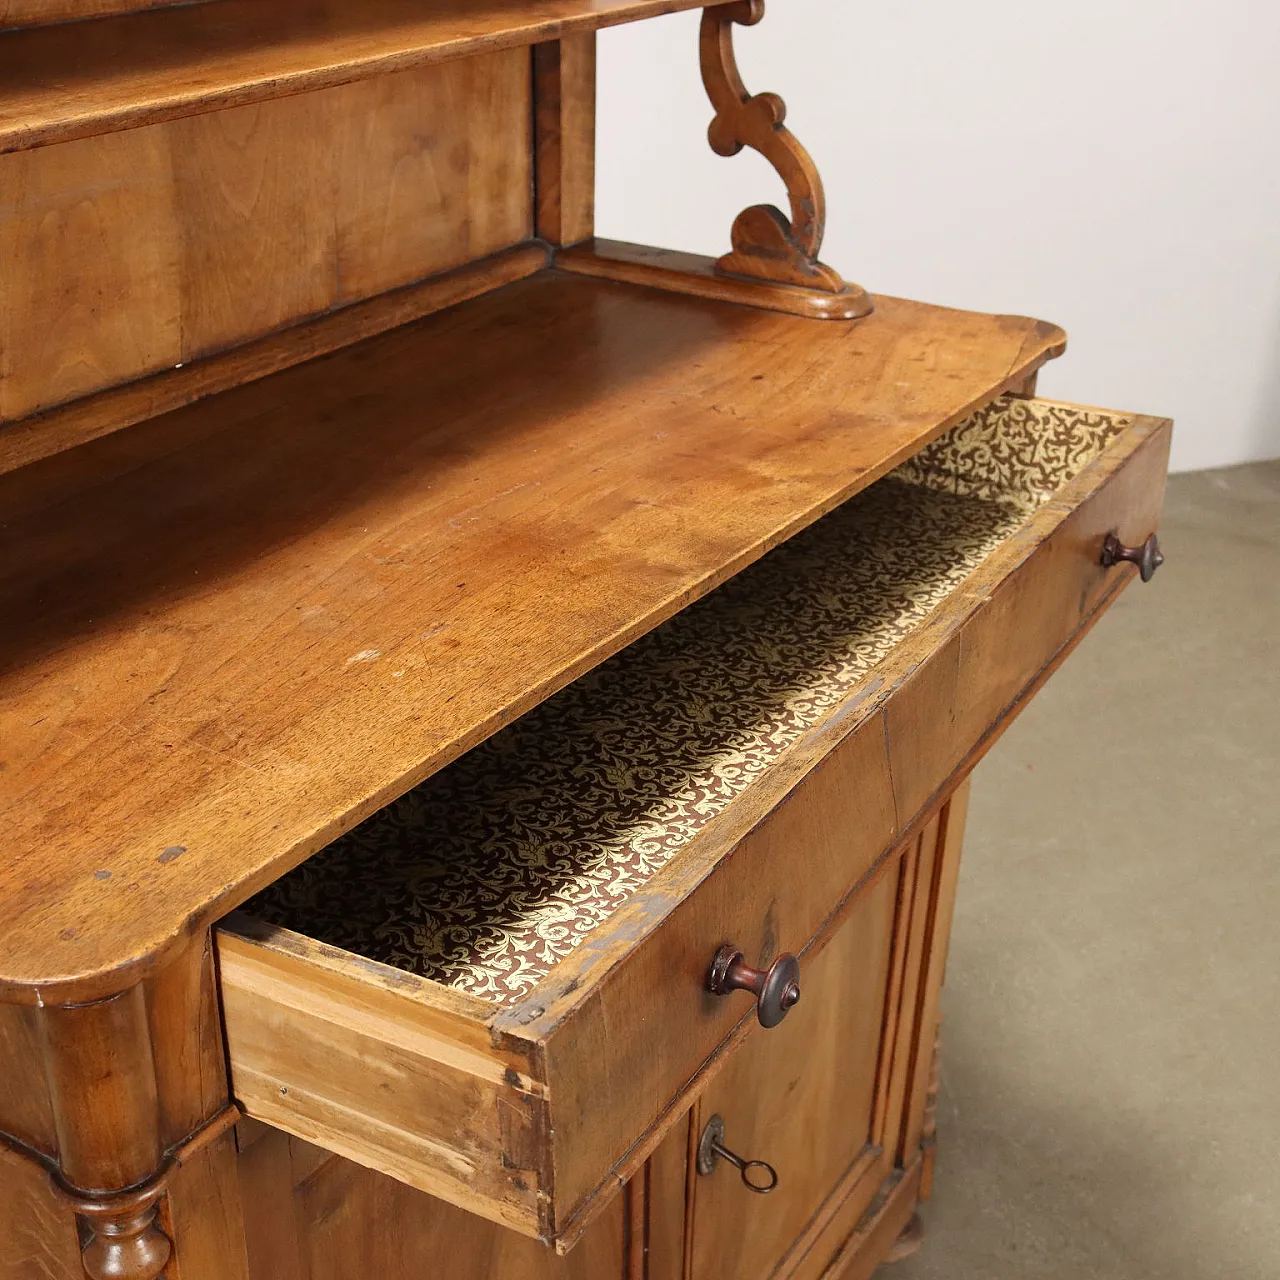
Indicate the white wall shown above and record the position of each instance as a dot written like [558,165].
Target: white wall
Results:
[1113,167]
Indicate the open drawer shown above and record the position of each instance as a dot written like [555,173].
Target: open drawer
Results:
[496,988]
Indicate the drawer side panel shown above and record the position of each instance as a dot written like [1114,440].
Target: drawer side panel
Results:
[373,1080]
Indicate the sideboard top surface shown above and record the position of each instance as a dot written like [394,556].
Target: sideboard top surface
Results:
[69,81]
[235,631]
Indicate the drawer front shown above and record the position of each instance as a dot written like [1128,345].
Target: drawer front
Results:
[647,1035]
[563,1094]
[652,1033]
[1029,609]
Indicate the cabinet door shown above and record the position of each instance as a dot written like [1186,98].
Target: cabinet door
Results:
[310,1215]
[828,1097]
[801,1097]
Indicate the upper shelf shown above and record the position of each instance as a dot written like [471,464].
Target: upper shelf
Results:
[80,79]
[234,631]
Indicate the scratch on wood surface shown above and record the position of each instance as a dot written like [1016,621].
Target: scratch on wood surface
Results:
[893,782]
[472,513]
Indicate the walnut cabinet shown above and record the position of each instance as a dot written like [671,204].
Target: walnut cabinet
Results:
[486,712]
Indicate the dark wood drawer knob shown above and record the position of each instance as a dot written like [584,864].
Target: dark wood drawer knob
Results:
[776,989]
[1147,557]
[757,1175]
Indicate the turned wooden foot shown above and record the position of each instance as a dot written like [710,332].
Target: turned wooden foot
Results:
[124,1245]
[908,1242]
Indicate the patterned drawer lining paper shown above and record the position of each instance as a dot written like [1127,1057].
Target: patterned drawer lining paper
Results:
[487,874]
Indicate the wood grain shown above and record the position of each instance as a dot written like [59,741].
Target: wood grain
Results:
[38,1239]
[144,68]
[344,1221]
[495,1109]
[498,114]
[849,1205]
[21,13]
[100,1070]
[111,1100]
[138,252]
[886,1123]
[273,1241]
[565,140]
[374,1074]
[914,916]
[204,1215]
[743,119]
[94,416]
[623,975]
[89,255]
[667,1179]
[942,898]
[25,1110]
[351,572]
[101,1073]
[434,170]
[185,1025]
[848,793]
[700,277]
[437,1046]
[1028,606]
[861,1253]
[255,195]
[202,1211]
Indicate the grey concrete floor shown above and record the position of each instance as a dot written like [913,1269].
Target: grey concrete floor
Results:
[1110,1100]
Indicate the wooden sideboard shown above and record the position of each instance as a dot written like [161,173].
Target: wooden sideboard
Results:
[486,712]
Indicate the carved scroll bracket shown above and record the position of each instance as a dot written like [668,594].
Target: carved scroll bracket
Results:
[774,264]
[766,245]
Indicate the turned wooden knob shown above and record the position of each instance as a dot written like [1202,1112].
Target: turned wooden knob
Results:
[776,989]
[1147,557]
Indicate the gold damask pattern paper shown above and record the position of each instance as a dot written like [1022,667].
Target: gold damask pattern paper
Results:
[1018,451]
[487,874]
